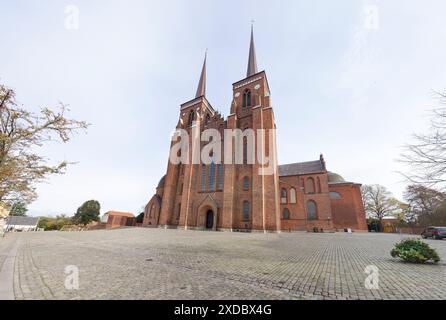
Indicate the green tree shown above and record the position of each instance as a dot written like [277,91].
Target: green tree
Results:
[140,218]
[18,209]
[22,134]
[87,213]
[57,223]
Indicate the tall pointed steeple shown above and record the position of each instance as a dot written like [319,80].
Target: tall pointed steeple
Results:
[252,62]
[201,90]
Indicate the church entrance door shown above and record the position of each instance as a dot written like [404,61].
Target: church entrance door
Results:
[209,219]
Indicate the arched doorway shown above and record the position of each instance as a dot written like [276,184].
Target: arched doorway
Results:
[210,219]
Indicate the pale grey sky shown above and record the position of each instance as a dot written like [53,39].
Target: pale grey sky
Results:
[349,79]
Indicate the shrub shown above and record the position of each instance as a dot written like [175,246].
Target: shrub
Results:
[415,251]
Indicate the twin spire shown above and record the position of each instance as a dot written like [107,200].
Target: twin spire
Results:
[252,60]
[252,67]
[201,90]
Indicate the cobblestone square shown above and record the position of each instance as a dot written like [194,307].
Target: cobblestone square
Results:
[143,263]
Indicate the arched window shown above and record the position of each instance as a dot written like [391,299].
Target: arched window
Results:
[207,119]
[212,177]
[191,118]
[292,195]
[203,178]
[283,196]
[245,183]
[152,211]
[246,210]
[220,178]
[335,195]
[286,214]
[311,210]
[245,150]
[311,188]
[246,98]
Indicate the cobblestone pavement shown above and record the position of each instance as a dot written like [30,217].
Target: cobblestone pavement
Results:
[176,264]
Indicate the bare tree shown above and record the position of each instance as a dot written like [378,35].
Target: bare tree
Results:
[22,133]
[426,156]
[426,205]
[379,202]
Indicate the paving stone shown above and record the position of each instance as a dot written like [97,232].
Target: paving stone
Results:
[143,263]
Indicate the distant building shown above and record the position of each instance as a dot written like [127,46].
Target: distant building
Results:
[21,224]
[116,219]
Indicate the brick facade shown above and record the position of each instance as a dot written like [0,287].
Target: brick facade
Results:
[235,197]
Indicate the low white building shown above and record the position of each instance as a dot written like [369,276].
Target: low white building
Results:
[21,224]
[3,215]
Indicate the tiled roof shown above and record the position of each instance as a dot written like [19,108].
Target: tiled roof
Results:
[22,221]
[121,214]
[294,169]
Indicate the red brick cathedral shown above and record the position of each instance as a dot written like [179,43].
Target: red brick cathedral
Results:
[235,197]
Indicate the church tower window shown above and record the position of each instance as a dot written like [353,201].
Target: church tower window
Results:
[207,119]
[245,183]
[191,118]
[247,98]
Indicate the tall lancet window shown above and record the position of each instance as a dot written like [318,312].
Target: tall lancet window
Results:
[191,118]
[207,119]
[220,177]
[246,210]
[246,98]
[212,177]
[203,178]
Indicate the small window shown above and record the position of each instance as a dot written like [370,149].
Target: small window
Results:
[292,195]
[335,195]
[246,210]
[246,183]
[286,214]
[311,210]
[283,196]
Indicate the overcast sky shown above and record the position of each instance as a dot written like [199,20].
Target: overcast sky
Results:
[349,79]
